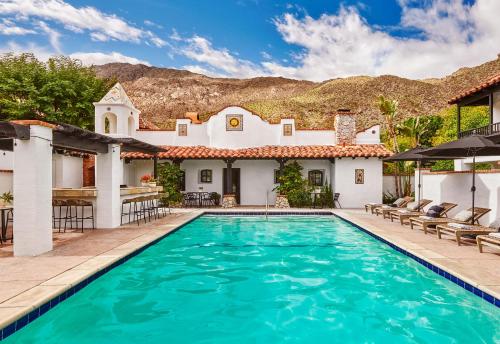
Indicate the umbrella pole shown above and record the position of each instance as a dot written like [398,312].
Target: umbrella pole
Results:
[419,180]
[473,189]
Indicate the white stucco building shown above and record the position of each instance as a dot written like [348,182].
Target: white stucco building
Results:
[252,149]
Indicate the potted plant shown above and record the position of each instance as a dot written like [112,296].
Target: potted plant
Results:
[215,197]
[145,179]
[152,182]
[6,198]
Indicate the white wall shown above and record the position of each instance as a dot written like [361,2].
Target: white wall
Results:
[496,107]
[369,136]
[455,188]
[6,181]
[390,186]
[67,171]
[6,160]
[356,195]
[256,132]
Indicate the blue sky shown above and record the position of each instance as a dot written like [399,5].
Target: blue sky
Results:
[314,40]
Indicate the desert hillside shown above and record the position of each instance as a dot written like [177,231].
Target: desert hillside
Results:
[165,94]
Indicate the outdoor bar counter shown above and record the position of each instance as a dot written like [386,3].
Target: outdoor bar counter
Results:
[91,192]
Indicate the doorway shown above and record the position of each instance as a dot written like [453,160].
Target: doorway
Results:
[236,183]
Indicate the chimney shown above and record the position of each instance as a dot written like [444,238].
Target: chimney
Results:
[345,126]
[193,116]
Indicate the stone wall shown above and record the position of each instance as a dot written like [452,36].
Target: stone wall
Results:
[345,126]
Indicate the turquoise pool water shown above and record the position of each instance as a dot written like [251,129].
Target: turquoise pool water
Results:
[306,279]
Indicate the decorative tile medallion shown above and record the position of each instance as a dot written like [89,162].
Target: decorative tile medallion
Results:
[234,122]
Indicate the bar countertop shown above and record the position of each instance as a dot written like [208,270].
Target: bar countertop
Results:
[91,192]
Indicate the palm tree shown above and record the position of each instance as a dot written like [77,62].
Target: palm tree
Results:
[389,109]
[414,128]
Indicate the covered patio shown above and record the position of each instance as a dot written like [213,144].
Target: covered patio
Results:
[33,144]
[246,176]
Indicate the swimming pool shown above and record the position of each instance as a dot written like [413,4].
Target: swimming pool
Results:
[299,279]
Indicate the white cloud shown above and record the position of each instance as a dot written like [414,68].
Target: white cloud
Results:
[101,26]
[42,53]
[9,28]
[103,58]
[452,35]
[52,34]
[221,61]
[87,58]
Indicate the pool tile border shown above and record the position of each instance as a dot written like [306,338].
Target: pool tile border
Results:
[458,281]
[44,308]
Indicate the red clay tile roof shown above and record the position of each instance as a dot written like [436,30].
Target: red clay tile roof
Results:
[488,83]
[267,152]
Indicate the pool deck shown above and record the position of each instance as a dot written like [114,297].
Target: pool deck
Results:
[28,282]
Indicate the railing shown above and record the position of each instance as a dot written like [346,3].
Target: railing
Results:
[267,203]
[489,129]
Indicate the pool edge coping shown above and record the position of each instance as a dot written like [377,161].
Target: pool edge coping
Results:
[27,314]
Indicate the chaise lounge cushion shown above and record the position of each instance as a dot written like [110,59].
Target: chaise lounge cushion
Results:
[434,211]
[412,206]
[460,226]
[398,202]
[495,235]
[463,216]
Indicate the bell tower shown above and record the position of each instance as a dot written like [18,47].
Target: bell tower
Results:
[115,115]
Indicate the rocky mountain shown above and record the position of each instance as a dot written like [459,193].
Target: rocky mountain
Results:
[166,94]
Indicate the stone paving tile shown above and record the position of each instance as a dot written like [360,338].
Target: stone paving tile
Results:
[12,288]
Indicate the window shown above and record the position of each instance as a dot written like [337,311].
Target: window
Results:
[182,181]
[183,130]
[316,177]
[276,176]
[287,130]
[206,176]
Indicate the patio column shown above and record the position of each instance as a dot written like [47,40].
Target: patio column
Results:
[108,187]
[229,176]
[155,167]
[229,199]
[32,186]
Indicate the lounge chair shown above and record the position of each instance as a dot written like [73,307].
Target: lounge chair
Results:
[404,216]
[427,222]
[459,230]
[411,210]
[386,209]
[400,202]
[491,240]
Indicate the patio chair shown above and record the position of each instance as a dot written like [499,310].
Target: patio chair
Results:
[400,202]
[491,240]
[386,209]
[191,199]
[464,217]
[460,230]
[207,200]
[404,215]
[336,202]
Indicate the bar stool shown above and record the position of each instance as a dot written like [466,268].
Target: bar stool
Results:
[57,212]
[139,209]
[126,202]
[80,218]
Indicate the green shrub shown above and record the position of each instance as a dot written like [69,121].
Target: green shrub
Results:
[294,186]
[169,176]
